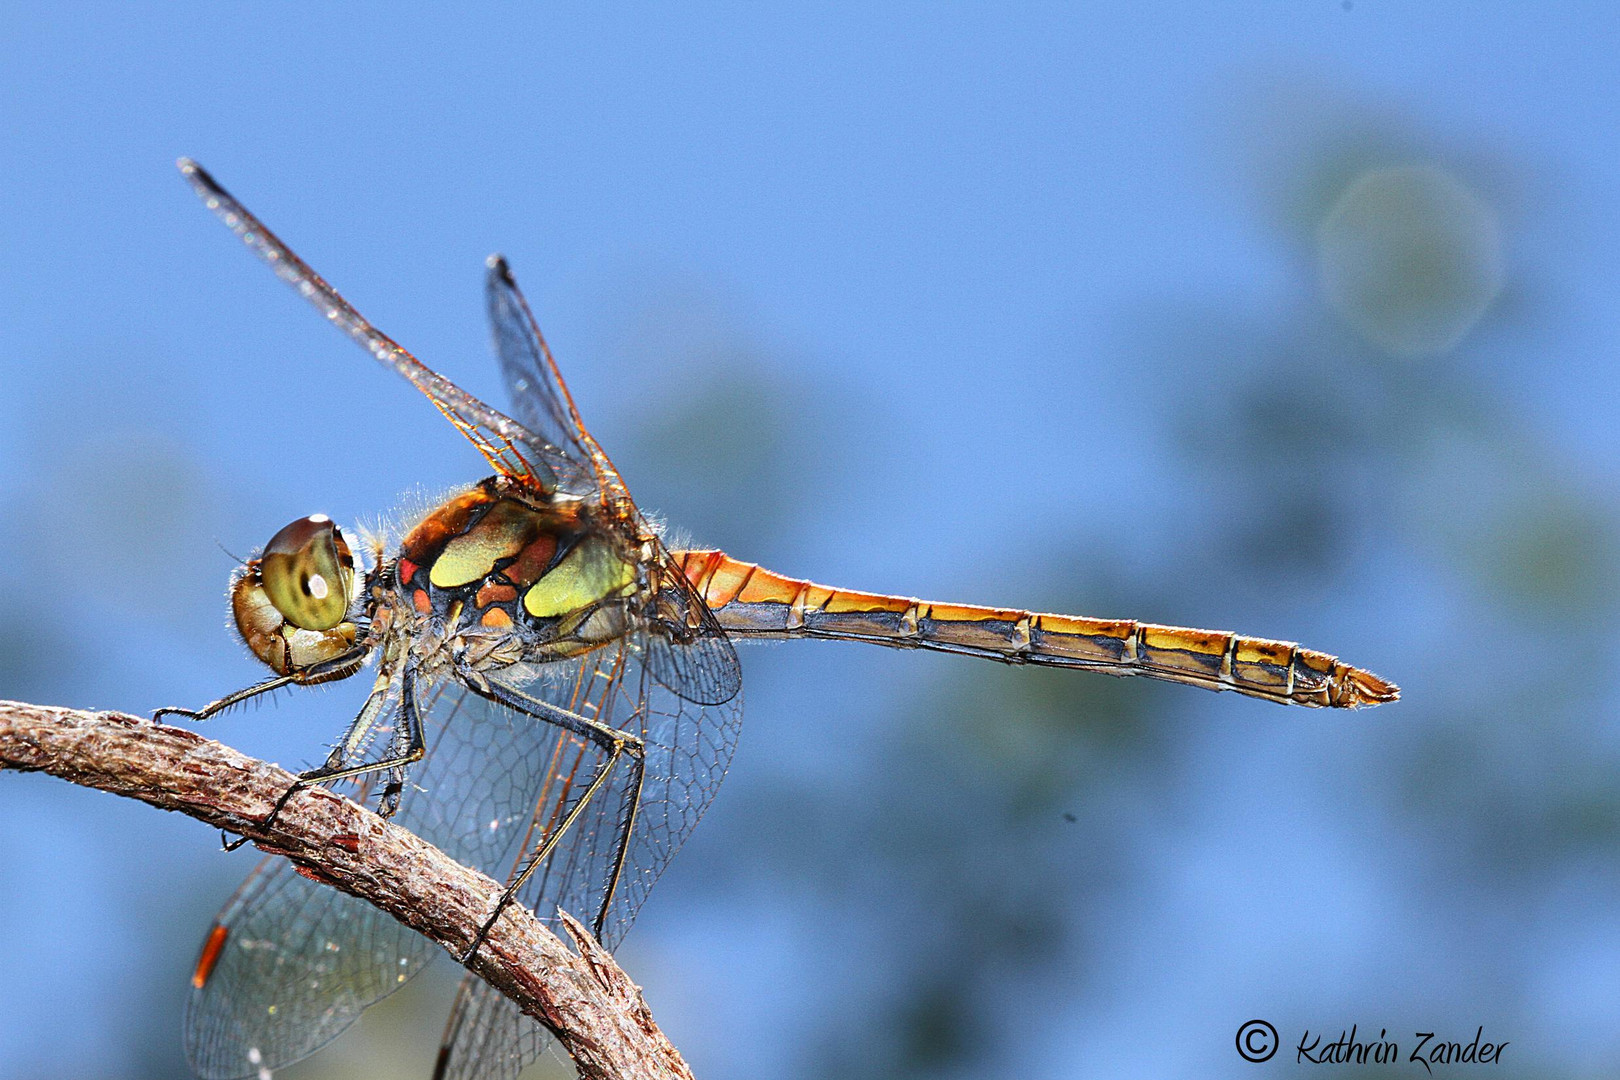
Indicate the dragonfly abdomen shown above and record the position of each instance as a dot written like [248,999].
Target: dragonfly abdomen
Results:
[752,601]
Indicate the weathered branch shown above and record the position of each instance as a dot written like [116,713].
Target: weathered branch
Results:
[596,1012]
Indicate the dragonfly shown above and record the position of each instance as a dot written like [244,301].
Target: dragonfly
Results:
[555,694]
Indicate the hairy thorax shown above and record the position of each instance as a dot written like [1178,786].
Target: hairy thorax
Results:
[493,576]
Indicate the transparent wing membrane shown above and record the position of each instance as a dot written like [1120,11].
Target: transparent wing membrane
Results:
[488,1037]
[690,654]
[300,960]
[687,748]
[540,397]
[512,449]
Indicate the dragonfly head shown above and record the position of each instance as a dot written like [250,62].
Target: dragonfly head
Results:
[292,603]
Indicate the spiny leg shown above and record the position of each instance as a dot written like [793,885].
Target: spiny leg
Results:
[409,747]
[339,667]
[410,744]
[632,745]
[612,741]
[336,668]
[638,763]
[600,776]
[214,708]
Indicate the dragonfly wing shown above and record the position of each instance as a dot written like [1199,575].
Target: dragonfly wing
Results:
[511,448]
[689,744]
[603,867]
[488,1037]
[688,651]
[291,963]
[294,962]
[595,797]
[540,397]
[299,962]
[687,747]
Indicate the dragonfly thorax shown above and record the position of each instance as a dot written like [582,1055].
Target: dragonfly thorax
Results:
[516,574]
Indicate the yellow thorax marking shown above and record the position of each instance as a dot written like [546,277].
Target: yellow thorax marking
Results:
[501,532]
[590,573]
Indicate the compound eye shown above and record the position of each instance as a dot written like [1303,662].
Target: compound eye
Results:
[308,573]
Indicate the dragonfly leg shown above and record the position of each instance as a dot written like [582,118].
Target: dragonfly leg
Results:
[638,763]
[409,748]
[617,745]
[337,667]
[214,708]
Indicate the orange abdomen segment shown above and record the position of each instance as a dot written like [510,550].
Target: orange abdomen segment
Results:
[752,601]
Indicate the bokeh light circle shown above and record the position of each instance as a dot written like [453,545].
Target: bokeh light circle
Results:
[1410,258]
